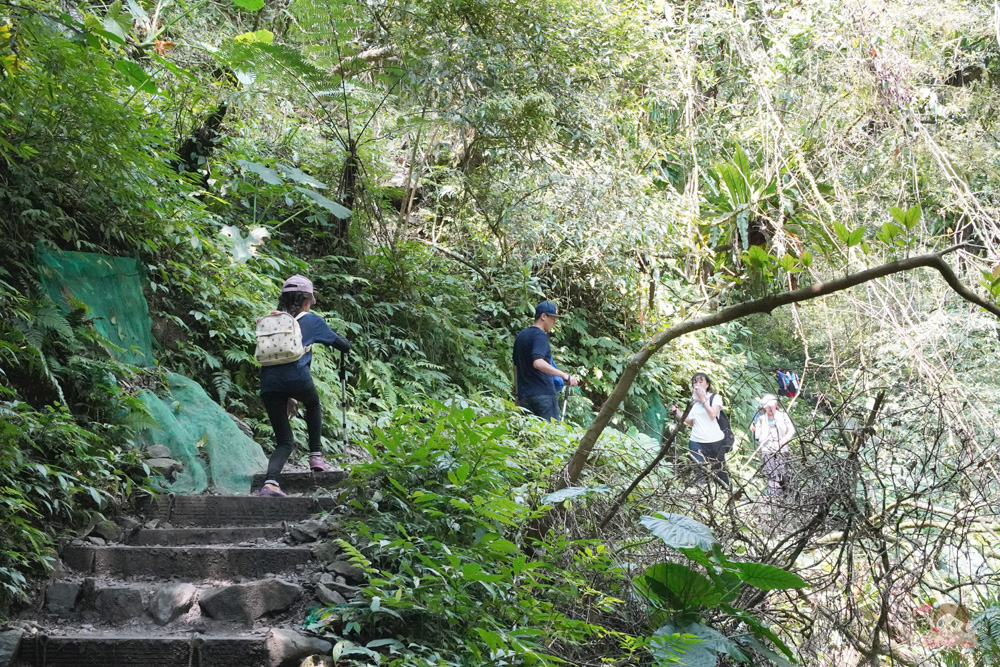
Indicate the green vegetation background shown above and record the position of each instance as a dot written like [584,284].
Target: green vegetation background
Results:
[438,167]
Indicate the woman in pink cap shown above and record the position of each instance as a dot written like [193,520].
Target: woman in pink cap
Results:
[283,387]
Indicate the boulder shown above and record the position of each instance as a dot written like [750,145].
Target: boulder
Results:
[119,603]
[165,467]
[96,541]
[107,530]
[288,648]
[171,601]
[159,452]
[327,551]
[242,425]
[247,602]
[307,531]
[330,597]
[352,573]
[343,589]
[61,596]
[10,641]
[316,661]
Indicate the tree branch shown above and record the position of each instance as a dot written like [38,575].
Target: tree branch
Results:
[664,450]
[578,461]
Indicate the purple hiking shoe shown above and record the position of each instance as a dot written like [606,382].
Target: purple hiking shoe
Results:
[317,464]
[272,491]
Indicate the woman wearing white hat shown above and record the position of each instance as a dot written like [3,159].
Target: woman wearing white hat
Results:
[773,429]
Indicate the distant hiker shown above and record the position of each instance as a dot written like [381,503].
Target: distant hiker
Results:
[708,444]
[773,430]
[534,370]
[788,383]
[284,349]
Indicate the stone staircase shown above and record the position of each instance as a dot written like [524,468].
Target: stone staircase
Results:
[195,581]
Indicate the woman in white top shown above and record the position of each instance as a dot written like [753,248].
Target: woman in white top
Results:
[773,429]
[707,444]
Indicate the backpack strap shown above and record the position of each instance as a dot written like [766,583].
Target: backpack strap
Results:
[308,348]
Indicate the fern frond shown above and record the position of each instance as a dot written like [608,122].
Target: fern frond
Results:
[356,557]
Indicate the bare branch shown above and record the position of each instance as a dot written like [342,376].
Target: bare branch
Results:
[766,304]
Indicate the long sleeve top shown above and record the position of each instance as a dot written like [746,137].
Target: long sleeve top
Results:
[295,375]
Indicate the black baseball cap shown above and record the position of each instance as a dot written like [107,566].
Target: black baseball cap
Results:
[546,308]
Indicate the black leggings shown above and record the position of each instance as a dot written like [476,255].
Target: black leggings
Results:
[276,404]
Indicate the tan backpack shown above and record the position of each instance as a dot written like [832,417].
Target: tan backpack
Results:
[279,339]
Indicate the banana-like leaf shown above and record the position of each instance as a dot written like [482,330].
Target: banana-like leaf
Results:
[680,532]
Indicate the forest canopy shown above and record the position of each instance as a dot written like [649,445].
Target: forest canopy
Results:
[667,173]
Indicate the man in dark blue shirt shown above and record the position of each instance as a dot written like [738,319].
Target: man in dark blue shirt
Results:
[534,371]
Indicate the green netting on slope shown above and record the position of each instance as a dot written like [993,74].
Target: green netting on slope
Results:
[112,290]
[654,417]
[195,428]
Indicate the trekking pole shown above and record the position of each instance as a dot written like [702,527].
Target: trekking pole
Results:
[343,398]
[562,415]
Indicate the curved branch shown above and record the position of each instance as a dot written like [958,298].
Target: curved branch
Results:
[766,304]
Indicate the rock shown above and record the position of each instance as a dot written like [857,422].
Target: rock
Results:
[165,467]
[96,541]
[128,523]
[119,604]
[327,551]
[247,602]
[318,661]
[171,601]
[61,596]
[343,589]
[107,530]
[151,524]
[327,596]
[288,648]
[352,573]
[327,578]
[307,531]
[9,643]
[242,425]
[159,452]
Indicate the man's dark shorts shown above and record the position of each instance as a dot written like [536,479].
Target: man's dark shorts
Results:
[546,407]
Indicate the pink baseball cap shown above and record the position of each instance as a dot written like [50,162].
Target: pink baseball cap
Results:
[299,283]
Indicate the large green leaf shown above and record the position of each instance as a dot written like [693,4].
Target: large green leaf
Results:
[758,628]
[703,654]
[572,492]
[266,174]
[776,658]
[136,76]
[679,532]
[678,586]
[330,205]
[301,177]
[768,577]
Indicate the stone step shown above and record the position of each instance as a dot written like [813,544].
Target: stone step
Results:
[229,511]
[177,605]
[204,536]
[303,482]
[191,562]
[142,651]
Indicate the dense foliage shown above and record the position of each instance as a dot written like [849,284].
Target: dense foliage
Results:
[437,168]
